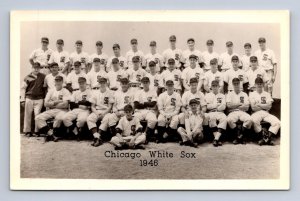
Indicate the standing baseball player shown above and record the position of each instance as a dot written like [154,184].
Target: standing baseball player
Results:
[261,102]
[213,74]
[117,54]
[115,75]
[172,74]
[238,104]
[72,78]
[145,107]
[192,71]
[191,51]
[32,96]
[169,104]
[216,104]
[80,56]
[102,103]
[129,132]
[267,60]
[156,81]
[154,56]
[135,52]
[61,57]
[49,82]
[80,106]
[57,102]
[136,73]
[209,54]
[42,56]
[245,60]
[173,52]
[100,55]
[226,57]
[94,75]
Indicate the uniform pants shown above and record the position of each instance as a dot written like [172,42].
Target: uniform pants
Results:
[233,117]
[162,121]
[147,115]
[113,119]
[212,117]
[185,137]
[57,114]
[139,140]
[93,118]
[263,115]
[79,114]
[31,106]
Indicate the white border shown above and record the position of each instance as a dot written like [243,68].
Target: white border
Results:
[242,16]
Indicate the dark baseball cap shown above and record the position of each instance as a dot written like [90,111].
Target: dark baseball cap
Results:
[115,60]
[99,43]
[153,43]
[213,61]
[96,59]
[116,46]
[234,58]
[135,58]
[128,108]
[253,58]
[192,56]
[193,80]
[229,44]
[102,79]
[172,38]
[60,41]
[209,42]
[215,83]
[78,42]
[235,80]
[259,80]
[193,101]
[152,64]
[134,40]
[81,79]
[171,60]
[124,80]
[169,82]
[190,39]
[247,45]
[45,40]
[77,63]
[261,40]
[145,79]
[59,78]
[53,64]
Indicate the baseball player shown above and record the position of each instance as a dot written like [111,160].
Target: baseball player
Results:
[94,75]
[61,57]
[80,56]
[99,54]
[156,82]
[209,54]
[57,102]
[115,75]
[32,96]
[173,52]
[238,104]
[191,51]
[136,73]
[212,75]
[267,60]
[102,103]
[80,108]
[169,104]
[42,56]
[172,74]
[117,54]
[72,78]
[216,104]
[192,71]
[129,132]
[225,58]
[135,52]
[49,81]
[192,132]
[235,72]
[154,56]
[261,102]
[245,60]
[254,72]
[145,107]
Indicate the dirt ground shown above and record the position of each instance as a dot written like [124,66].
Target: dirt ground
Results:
[79,160]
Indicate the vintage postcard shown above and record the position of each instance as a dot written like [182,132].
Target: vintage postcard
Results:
[150,100]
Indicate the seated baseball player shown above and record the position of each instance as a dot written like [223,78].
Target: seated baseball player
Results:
[216,104]
[261,102]
[192,133]
[72,78]
[238,105]
[115,75]
[57,102]
[80,109]
[136,74]
[49,79]
[172,74]
[213,74]
[169,104]
[102,102]
[145,107]
[129,132]
[156,82]
[95,74]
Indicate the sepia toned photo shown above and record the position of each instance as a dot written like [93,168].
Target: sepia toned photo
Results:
[149,100]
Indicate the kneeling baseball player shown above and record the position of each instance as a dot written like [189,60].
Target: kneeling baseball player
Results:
[129,132]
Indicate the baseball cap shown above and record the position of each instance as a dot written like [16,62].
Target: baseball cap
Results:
[135,59]
[152,63]
[253,58]
[78,42]
[259,80]
[128,108]
[102,79]
[36,65]
[209,42]
[99,43]
[234,58]
[124,80]
[53,64]
[229,44]
[45,40]
[213,61]
[81,79]
[134,40]
[215,83]
[77,63]
[172,38]
[169,82]
[193,80]
[235,80]
[193,101]
[115,60]
[153,43]
[192,56]
[116,46]
[171,61]
[247,45]
[59,78]
[145,79]
[261,40]
[60,41]
[191,39]
[96,59]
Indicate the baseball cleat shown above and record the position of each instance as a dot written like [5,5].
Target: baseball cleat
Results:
[215,143]
[97,143]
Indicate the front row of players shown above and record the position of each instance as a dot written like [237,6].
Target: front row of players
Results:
[174,118]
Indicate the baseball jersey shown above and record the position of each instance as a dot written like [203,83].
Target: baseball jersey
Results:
[195,121]
[186,54]
[155,81]
[129,127]
[189,73]
[225,60]
[241,98]
[169,103]
[135,76]
[175,54]
[93,76]
[55,95]
[41,56]
[154,57]
[114,78]
[50,80]
[207,56]
[266,59]
[122,62]
[72,79]
[103,59]
[231,73]
[218,99]
[188,95]
[122,99]
[61,58]
[245,61]
[81,96]
[130,54]
[252,75]
[209,76]
[263,98]
[102,100]
[174,75]
[142,96]
[83,57]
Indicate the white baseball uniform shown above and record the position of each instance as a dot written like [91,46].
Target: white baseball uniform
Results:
[209,76]
[186,54]
[83,57]
[114,78]
[225,60]
[192,124]
[266,59]
[207,56]
[253,74]
[189,73]
[174,75]
[156,81]
[49,81]
[72,79]
[245,62]
[93,77]
[154,57]
[103,59]
[130,54]
[42,57]
[61,58]
[135,77]
[122,62]
[175,54]
[231,73]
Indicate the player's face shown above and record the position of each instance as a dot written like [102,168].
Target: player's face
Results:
[128,114]
[58,85]
[134,45]
[45,44]
[97,66]
[77,69]
[259,87]
[229,48]
[171,66]
[82,86]
[235,63]
[78,47]
[210,47]
[247,50]
[136,64]
[262,45]
[36,70]
[59,46]
[194,86]
[213,67]
[153,48]
[54,69]
[194,107]
[236,87]
[152,68]
[99,48]
[253,64]
[146,85]
[124,87]
[102,84]
[116,51]
[170,88]
[173,43]
[193,62]
[116,65]
[191,45]
[215,88]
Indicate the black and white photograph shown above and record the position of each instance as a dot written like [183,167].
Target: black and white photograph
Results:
[149,100]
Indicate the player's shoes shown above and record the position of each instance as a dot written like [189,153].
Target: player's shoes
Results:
[118,148]
[194,144]
[55,139]
[28,134]
[271,143]
[98,143]
[235,142]
[261,142]
[48,138]
[219,143]
[215,143]
[138,147]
